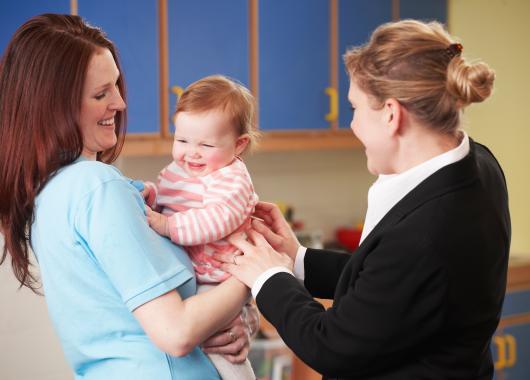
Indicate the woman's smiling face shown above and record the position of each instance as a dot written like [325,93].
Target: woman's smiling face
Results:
[101,101]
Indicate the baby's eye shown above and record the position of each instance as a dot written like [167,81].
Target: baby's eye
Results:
[181,141]
[207,145]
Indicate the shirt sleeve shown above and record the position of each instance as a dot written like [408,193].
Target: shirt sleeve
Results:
[299,270]
[141,265]
[262,279]
[229,201]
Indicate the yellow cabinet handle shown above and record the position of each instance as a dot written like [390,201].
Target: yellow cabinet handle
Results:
[512,351]
[177,90]
[333,104]
[506,350]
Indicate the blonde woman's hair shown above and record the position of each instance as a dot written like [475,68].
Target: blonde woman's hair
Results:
[412,62]
[217,92]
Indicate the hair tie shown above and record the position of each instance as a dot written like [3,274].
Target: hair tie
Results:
[453,50]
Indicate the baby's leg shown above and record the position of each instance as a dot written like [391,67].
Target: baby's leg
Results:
[230,371]
[227,370]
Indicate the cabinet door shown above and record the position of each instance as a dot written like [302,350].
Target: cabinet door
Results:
[207,37]
[293,64]
[357,21]
[511,351]
[132,26]
[425,10]
[14,13]
[511,343]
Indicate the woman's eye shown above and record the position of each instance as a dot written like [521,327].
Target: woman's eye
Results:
[99,96]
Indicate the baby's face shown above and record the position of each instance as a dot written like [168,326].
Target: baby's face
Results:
[205,142]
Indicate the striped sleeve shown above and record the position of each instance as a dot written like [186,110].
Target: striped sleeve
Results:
[229,201]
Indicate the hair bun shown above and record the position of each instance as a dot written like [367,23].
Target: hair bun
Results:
[469,83]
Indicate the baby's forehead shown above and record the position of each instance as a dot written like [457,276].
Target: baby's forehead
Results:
[205,128]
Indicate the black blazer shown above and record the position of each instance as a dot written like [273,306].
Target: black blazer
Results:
[422,295]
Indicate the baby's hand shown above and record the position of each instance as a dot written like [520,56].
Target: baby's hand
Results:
[157,221]
[145,194]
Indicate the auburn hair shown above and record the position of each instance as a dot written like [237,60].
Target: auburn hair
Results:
[217,92]
[42,74]
[412,62]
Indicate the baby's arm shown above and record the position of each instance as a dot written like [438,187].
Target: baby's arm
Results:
[150,193]
[158,222]
[228,202]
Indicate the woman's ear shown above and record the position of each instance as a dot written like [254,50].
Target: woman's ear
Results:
[241,143]
[393,115]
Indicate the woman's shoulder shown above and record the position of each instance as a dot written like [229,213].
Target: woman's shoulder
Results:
[83,176]
[90,171]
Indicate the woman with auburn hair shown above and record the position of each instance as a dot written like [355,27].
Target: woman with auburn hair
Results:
[421,297]
[109,279]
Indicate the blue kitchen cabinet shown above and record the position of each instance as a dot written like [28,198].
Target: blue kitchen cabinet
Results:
[357,21]
[133,27]
[294,66]
[424,10]
[206,37]
[511,352]
[14,13]
[511,343]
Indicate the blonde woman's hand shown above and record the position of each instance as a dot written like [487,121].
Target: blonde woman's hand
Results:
[275,228]
[258,256]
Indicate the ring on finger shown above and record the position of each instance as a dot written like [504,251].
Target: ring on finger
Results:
[232,335]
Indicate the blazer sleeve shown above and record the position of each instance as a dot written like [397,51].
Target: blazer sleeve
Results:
[385,311]
[322,270]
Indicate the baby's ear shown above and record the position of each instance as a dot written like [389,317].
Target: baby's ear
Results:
[242,143]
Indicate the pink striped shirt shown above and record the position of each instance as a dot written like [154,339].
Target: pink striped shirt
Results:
[203,211]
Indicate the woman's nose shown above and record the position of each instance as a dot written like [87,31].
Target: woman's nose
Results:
[118,103]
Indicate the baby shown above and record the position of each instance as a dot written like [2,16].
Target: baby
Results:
[206,193]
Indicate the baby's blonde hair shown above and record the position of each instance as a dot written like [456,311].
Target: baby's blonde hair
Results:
[217,92]
[411,62]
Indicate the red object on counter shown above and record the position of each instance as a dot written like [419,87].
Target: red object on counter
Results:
[349,237]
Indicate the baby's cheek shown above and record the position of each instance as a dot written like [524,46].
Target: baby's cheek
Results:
[219,159]
[176,153]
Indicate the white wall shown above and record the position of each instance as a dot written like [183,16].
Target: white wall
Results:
[497,32]
[326,188]
[29,349]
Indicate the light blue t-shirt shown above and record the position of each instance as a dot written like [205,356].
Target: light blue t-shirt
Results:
[99,260]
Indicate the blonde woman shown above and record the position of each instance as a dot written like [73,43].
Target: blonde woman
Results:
[421,296]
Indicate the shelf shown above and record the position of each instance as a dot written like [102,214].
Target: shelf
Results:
[154,145]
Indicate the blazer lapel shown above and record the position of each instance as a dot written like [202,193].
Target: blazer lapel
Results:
[447,179]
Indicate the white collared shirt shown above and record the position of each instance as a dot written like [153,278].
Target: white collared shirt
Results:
[384,194]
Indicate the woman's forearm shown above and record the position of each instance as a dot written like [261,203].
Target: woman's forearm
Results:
[206,313]
[176,326]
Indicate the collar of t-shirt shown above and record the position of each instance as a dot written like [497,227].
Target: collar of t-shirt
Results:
[384,193]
